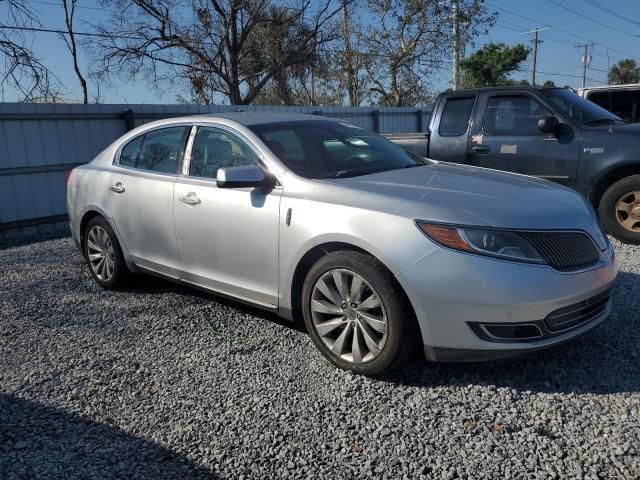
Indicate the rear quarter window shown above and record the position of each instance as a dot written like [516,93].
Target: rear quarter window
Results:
[455,117]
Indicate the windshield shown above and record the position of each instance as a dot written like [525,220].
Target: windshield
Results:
[331,149]
[579,109]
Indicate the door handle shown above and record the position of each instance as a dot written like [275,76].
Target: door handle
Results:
[480,149]
[118,188]
[190,199]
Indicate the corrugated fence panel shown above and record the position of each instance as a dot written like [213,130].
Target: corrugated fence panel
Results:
[40,142]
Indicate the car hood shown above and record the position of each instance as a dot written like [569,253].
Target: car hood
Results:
[465,195]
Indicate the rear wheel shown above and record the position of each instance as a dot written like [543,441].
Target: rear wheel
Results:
[357,315]
[619,210]
[104,255]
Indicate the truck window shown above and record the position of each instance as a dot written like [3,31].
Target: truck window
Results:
[455,116]
[513,115]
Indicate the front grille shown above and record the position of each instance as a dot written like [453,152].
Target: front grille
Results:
[577,314]
[564,250]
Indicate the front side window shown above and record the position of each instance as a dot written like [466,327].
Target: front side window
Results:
[455,116]
[156,151]
[214,148]
[516,115]
[331,149]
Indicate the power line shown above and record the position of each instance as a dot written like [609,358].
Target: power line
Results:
[592,20]
[611,12]
[539,22]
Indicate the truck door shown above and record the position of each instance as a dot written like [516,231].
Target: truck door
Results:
[505,136]
[450,128]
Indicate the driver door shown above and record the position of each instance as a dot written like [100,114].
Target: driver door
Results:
[227,237]
[505,136]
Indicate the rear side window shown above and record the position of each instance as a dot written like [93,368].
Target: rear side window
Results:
[156,151]
[513,115]
[129,153]
[455,116]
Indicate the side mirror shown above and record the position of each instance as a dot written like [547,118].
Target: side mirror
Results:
[240,177]
[549,124]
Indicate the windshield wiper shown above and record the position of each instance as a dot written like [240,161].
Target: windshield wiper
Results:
[600,120]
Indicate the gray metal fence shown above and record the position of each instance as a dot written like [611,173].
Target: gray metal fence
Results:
[40,142]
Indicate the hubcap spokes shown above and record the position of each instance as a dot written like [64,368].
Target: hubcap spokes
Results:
[349,316]
[100,253]
[628,211]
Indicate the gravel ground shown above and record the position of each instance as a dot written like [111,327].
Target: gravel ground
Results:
[165,382]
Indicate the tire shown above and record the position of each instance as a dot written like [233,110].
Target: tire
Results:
[375,339]
[100,242]
[620,208]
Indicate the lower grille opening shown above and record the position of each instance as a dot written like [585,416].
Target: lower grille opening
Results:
[507,332]
[513,332]
[577,314]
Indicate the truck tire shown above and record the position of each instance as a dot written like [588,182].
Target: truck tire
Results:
[619,210]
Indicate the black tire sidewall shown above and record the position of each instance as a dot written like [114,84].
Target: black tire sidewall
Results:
[606,209]
[120,268]
[387,289]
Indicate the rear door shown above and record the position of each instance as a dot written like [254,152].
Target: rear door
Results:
[505,136]
[141,197]
[450,128]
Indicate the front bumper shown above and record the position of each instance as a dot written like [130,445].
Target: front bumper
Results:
[454,293]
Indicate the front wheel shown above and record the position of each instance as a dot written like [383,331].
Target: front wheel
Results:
[619,210]
[357,315]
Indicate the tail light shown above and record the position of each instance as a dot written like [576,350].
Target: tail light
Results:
[69,172]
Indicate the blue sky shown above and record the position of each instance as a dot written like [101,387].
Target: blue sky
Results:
[559,57]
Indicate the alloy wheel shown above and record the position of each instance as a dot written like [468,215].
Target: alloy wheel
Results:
[349,316]
[100,253]
[628,211]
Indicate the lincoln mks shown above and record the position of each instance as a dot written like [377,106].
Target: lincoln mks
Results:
[377,250]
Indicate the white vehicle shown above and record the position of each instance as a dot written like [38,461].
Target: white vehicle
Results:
[622,100]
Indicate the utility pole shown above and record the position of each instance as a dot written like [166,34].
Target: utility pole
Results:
[536,42]
[585,62]
[456,44]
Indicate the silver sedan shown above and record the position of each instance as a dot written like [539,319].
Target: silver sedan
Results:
[379,251]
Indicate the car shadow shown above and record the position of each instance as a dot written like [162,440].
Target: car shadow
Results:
[149,284]
[39,441]
[604,360]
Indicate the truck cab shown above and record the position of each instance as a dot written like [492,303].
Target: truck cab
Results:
[549,133]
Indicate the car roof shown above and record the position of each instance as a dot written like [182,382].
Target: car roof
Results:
[496,89]
[264,117]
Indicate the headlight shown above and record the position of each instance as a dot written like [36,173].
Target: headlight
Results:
[494,243]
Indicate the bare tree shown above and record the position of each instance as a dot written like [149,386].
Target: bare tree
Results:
[69,12]
[214,48]
[352,61]
[23,70]
[406,41]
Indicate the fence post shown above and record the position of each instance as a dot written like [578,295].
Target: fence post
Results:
[376,120]
[127,116]
[420,114]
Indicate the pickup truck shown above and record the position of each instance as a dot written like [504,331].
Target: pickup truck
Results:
[549,133]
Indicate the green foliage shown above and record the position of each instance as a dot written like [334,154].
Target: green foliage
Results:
[549,83]
[625,71]
[491,65]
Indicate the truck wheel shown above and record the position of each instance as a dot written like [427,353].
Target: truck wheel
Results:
[619,210]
